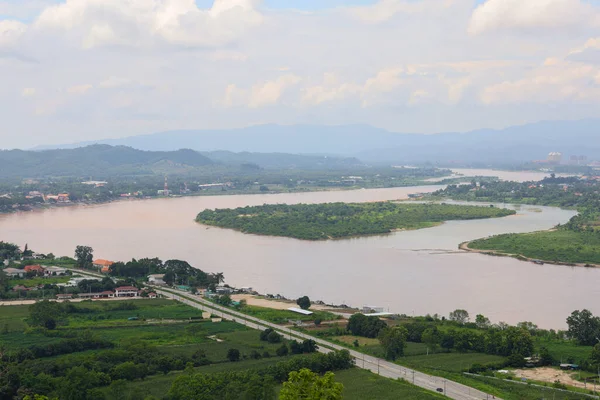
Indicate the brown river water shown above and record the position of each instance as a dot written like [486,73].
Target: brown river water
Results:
[408,272]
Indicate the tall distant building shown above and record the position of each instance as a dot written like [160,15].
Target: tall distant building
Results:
[555,158]
[578,160]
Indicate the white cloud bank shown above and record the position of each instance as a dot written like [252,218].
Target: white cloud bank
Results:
[511,15]
[151,22]
[87,69]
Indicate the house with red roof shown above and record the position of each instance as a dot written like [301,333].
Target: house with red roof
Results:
[102,265]
[38,269]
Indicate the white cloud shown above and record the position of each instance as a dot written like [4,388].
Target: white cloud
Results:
[496,15]
[554,81]
[270,92]
[143,23]
[384,10]
[79,89]
[261,94]
[227,55]
[11,32]
[28,92]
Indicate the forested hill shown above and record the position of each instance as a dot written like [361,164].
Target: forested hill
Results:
[95,160]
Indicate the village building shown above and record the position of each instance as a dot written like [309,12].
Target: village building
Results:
[156,279]
[102,265]
[38,269]
[127,291]
[14,272]
[54,271]
[101,295]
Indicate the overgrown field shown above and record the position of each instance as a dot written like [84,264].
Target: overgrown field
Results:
[339,220]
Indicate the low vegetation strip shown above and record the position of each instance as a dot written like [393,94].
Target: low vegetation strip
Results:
[341,220]
[564,246]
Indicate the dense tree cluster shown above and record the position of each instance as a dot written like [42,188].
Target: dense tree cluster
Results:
[9,251]
[362,325]
[177,272]
[253,384]
[338,220]
[584,327]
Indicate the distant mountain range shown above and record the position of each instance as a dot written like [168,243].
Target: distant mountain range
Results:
[514,144]
[105,160]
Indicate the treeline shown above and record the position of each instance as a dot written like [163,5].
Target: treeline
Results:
[176,272]
[338,220]
[568,192]
[512,341]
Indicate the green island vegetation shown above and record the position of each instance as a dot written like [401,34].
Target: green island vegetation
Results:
[341,220]
[102,173]
[576,242]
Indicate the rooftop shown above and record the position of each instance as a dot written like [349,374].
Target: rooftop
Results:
[300,311]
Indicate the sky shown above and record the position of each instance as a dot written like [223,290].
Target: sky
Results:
[77,70]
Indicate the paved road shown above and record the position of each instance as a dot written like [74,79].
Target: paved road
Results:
[385,368]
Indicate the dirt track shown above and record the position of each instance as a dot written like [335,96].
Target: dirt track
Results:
[550,375]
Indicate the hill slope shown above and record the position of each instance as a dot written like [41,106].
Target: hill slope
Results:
[95,160]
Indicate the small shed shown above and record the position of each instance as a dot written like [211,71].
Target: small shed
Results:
[300,311]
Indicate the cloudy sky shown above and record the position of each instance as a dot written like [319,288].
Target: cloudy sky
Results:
[88,69]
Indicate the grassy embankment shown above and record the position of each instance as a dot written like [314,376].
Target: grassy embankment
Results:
[341,220]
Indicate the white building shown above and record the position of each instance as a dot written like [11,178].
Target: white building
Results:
[127,291]
[50,271]
[156,279]
[77,280]
[14,272]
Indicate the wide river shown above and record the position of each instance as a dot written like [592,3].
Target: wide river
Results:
[409,272]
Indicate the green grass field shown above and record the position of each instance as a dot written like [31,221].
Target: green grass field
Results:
[515,390]
[364,385]
[562,351]
[12,318]
[451,362]
[38,280]
[282,316]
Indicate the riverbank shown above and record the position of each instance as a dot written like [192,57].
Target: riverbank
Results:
[465,246]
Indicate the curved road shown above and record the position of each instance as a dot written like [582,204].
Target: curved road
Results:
[380,366]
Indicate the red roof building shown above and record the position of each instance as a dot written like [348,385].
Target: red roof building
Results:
[38,269]
[101,264]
